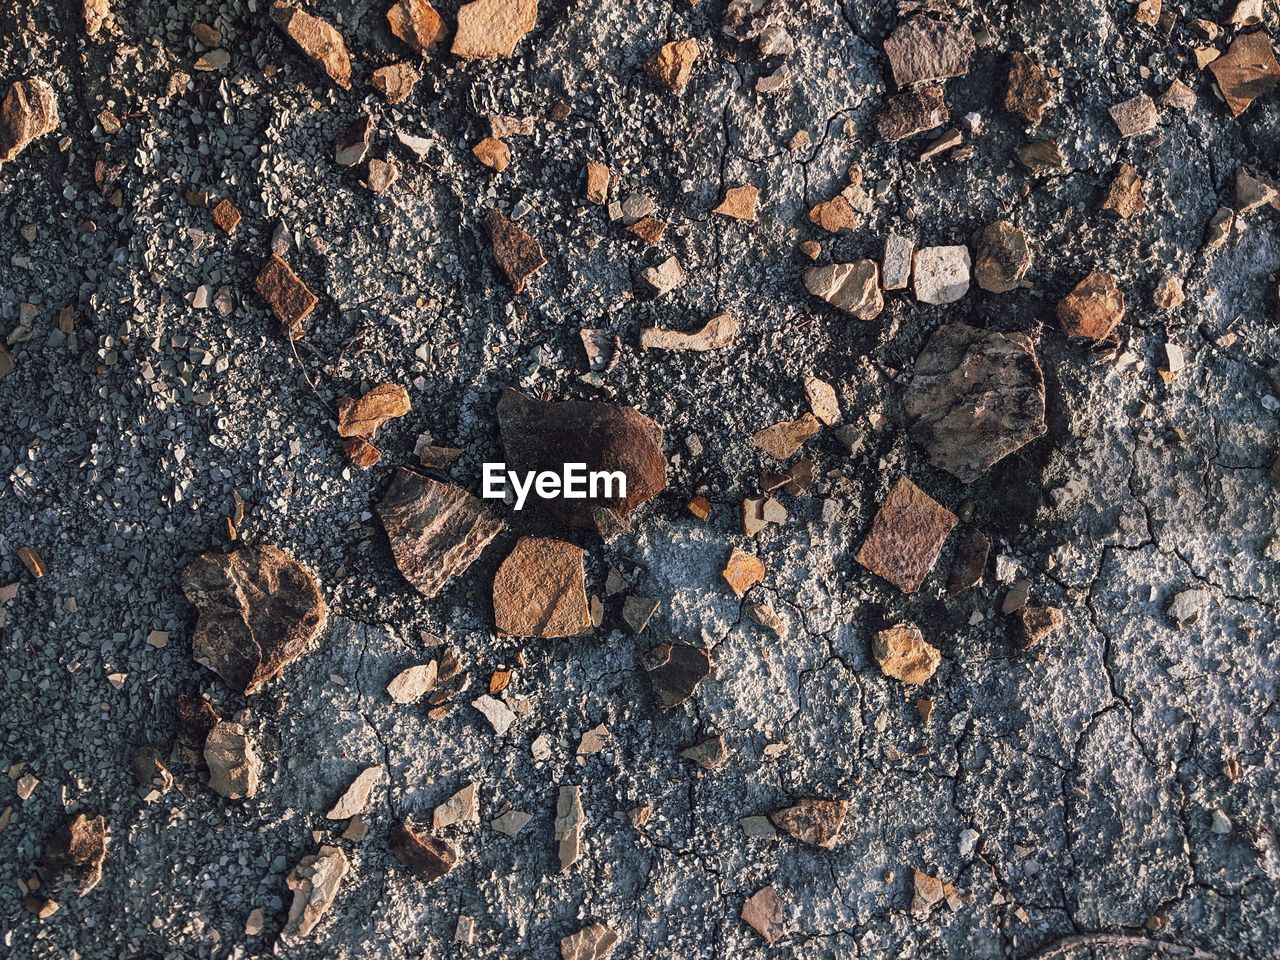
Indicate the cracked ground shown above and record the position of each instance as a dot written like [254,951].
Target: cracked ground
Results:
[1117,780]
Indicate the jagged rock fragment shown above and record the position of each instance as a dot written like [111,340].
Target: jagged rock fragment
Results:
[427,858]
[911,112]
[540,590]
[593,942]
[73,857]
[637,611]
[975,397]
[1042,156]
[1026,93]
[673,63]
[352,145]
[97,14]
[499,715]
[921,50]
[822,400]
[940,274]
[412,684]
[663,278]
[1034,624]
[765,616]
[593,740]
[1124,196]
[1220,228]
[395,81]
[835,214]
[492,28]
[1093,309]
[1253,192]
[361,452]
[760,513]
[895,263]
[716,334]
[355,799]
[1247,71]
[287,296]
[739,203]
[743,571]
[597,183]
[225,216]
[927,892]
[903,654]
[676,670]
[906,536]
[321,43]
[650,229]
[259,609]
[812,820]
[1179,96]
[435,457]
[511,822]
[1169,294]
[783,440]
[853,287]
[416,23]
[28,111]
[459,808]
[365,416]
[708,754]
[568,826]
[762,912]
[518,254]
[1135,116]
[1188,606]
[194,717]
[1001,256]
[436,529]
[970,561]
[32,560]
[234,767]
[493,153]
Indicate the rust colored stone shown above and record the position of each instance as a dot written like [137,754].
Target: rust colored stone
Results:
[812,820]
[518,254]
[911,112]
[1093,309]
[540,590]
[416,23]
[226,216]
[365,416]
[906,536]
[492,28]
[905,655]
[743,571]
[1034,624]
[426,857]
[316,38]
[673,63]
[1026,93]
[1247,71]
[287,296]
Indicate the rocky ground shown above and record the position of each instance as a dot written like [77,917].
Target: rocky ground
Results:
[1074,756]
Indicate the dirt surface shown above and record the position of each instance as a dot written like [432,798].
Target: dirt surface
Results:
[1073,788]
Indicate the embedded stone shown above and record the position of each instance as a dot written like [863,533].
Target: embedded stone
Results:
[1093,309]
[1135,116]
[940,274]
[352,145]
[518,254]
[673,63]
[911,112]
[234,767]
[1026,93]
[895,263]
[812,821]
[1124,196]
[427,858]
[411,684]
[593,942]
[1001,256]
[395,81]
[365,416]
[317,39]
[663,278]
[29,110]
[921,50]
[73,857]
[287,296]
[783,440]
[850,287]
[762,911]
[568,826]
[1247,71]
[676,670]
[970,561]
[716,334]
[492,28]
[906,536]
[1034,624]
[416,23]
[540,590]
[493,153]
[903,654]
[355,799]
[739,203]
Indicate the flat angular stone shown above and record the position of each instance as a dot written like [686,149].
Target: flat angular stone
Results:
[853,288]
[663,278]
[904,655]
[29,110]
[762,912]
[1124,196]
[234,767]
[970,562]
[259,610]
[416,23]
[1034,624]
[593,942]
[518,254]
[1026,93]
[676,670]
[1248,71]
[836,214]
[493,153]
[492,28]
[427,858]
[1093,309]
[637,612]
[743,571]
[1135,116]
[911,112]
[462,807]
[710,754]
[1001,257]
[365,416]
[895,264]
[314,882]
[812,821]
[568,827]
[436,529]
[97,14]
[822,400]
[355,799]
[395,81]
[352,145]
[499,715]
[319,40]
[511,822]
[928,891]
[225,216]
[940,274]
[716,334]
[413,683]
[975,397]
[598,177]
[921,50]
[673,63]
[906,536]
[1253,192]
[287,296]
[783,440]
[739,203]
[73,857]
[540,590]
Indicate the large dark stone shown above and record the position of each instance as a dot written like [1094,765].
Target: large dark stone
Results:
[426,857]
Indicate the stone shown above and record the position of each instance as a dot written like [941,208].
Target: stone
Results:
[380,175]
[895,264]
[1222,226]
[73,857]
[464,931]
[1169,294]
[365,416]
[413,683]
[592,942]
[355,799]
[663,278]
[637,611]
[672,64]
[416,23]
[975,397]
[1042,157]
[1179,96]
[259,610]
[1093,308]
[287,296]
[225,216]
[436,529]
[234,767]
[906,536]
[783,440]
[835,214]
[762,912]
[949,139]
[593,741]
[1135,116]
[812,821]
[598,178]
[435,457]
[1247,71]
[928,891]
[542,435]
[352,145]
[492,28]
[1125,197]
[910,112]
[822,400]
[970,561]
[940,274]
[758,828]
[150,773]
[739,203]
[518,254]
[97,14]
[499,715]
[28,111]
[716,334]
[676,670]
[493,153]
[765,616]
[568,826]
[1001,256]
[427,858]
[903,654]
[459,808]
[194,718]
[1253,192]
[1034,624]
[760,513]
[361,452]
[395,81]
[708,754]
[650,229]
[540,590]
[511,822]
[317,39]
[1026,93]
[1188,606]
[921,50]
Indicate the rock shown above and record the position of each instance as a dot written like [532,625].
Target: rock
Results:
[427,858]
[149,772]
[32,561]
[436,529]
[234,767]
[850,287]
[762,911]
[73,857]
[410,685]
[1169,294]
[597,183]
[492,28]
[97,14]
[759,828]
[495,155]
[895,264]
[28,111]
[433,457]
[352,145]
[663,278]
[1124,196]
[1135,116]
[1179,96]
[758,514]
[225,216]
[739,203]
[593,741]
[673,63]
[194,718]
[1001,257]
[765,616]
[637,611]
[676,670]
[259,610]
[511,822]
[921,50]
[1248,71]
[940,274]
[1034,624]
[1093,309]
[1189,606]
[949,139]
[519,255]
[783,440]
[314,882]
[904,655]
[1220,228]
[499,715]
[364,417]
[928,891]
[709,754]
[545,435]
[911,112]
[287,296]
[650,229]
[743,571]
[836,214]
[593,942]
[906,536]
[459,808]
[416,23]
[395,81]
[540,590]
[975,397]
[568,826]
[1042,157]
[970,561]
[1253,192]
[318,40]
[716,334]
[812,821]
[822,400]
[355,799]
[1027,93]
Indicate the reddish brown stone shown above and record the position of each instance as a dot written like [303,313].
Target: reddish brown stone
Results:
[494,154]
[74,855]
[426,857]
[317,39]
[906,536]
[1001,257]
[812,820]
[226,216]
[1034,624]
[285,293]
[762,911]
[903,653]
[395,81]
[676,670]
[361,452]
[1027,94]
[492,28]
[416,23]
[364,417]
[1248,70]
[1124,196]
[970,561]
[742,571]
[540,590]
[650,229]
[911,112]
[921,50]
[673,63]
[1093,309]
[29,110]
[518,254]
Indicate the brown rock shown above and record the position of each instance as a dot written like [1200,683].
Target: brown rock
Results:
[673,63]
[381,174]
[975,397]
[495,155]
[1179,96]
[355,799]
[812,821]
[226,216]
[426,857]
[911,112]
[700,507]
[97,14]
[597,182]
[1254,192]
[716,334]
[395,81]
[29,110]
[1125,197]
[903,654]
[853,288]
[970,561]
[594,942]
[286,294]
[676,670]
[1033,624]
[1027,93]
[1135,116]
[743,571]
[739,203]
[314,882]
[73,857]
[1169,294]
[435,457]
[709,754]
[540,590]
[362,454]
[259,610]
[538,436]
[417,24]
[352,145]
[436,529]
[783,440]
[364,417]
[1001,257]
[568,826]
[234,767]
[1042,156]
[518,254]
[194,718]
[317,39]
[835,214]
[663,278]
[927,892]
[32,560]
[1093,309]
[921,50]
[762,911]
[649,229]
[906,536]
[1248,71]
[492,28]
